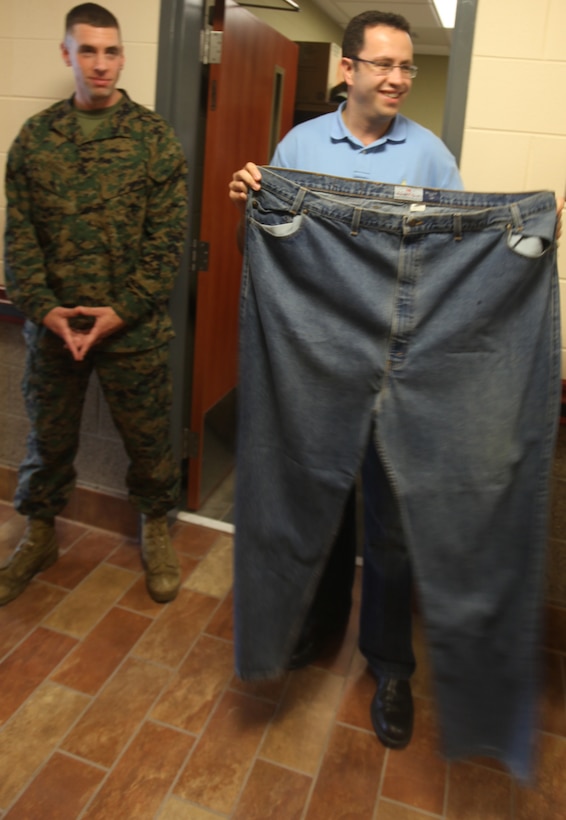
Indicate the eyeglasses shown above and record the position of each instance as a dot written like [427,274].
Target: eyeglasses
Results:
[383,68]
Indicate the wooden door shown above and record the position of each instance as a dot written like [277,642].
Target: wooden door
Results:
[250,107]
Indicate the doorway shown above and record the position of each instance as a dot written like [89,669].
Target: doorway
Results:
[205,101]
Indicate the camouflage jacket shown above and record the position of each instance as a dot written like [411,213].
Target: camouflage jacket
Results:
[98,220]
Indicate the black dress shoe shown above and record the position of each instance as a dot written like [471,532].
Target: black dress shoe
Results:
[392,712]
[314,642]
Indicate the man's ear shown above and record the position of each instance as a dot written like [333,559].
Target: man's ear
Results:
[347,68]
[65,53]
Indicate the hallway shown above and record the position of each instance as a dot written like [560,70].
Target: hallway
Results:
[115,707]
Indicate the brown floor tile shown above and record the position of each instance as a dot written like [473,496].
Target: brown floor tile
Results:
[140,781]
[195,688]
[138,599]
[553,696]
[349,778]
[46,717]
[88,603]
[59,792]
[488,762]
[273,793]
[127,555]
[79,560]
[68,532]
[546,798]
[213,576]
[176,809]
[26,667]
[170,636]
[188,566]
[106,727]
[301,746]
[222,622]
[102,651]
[477,793]
[357,695]
[193,540]
[21,616]
[102,511]
[264,689]
[297,735]
[218,767]
[396,811]
[7,511]
[417,775]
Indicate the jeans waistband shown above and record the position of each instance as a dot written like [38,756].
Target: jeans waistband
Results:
[401,208]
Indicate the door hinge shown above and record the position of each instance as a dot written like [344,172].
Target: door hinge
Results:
[191,442]
[210,46]
[199,255]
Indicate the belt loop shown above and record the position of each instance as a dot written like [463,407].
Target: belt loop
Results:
[296,206]
[356,217]
[457,224]
[517,219]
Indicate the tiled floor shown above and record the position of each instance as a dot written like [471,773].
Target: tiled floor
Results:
[114,707]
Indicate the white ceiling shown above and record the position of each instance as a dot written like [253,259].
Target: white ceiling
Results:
[428,35]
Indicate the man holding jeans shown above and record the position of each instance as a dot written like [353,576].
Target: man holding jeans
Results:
[368,139]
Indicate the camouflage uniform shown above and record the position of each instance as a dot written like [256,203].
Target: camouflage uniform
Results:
[97,221]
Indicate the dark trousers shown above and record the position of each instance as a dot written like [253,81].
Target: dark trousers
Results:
[138,390]
[385,618]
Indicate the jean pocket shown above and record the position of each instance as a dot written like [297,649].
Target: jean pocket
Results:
[281,229]
[532,247]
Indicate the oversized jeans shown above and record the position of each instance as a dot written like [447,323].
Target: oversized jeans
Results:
[430,317]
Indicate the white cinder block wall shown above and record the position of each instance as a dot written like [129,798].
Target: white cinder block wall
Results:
[515,128]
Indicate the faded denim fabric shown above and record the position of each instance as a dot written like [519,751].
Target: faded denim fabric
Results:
[431,317]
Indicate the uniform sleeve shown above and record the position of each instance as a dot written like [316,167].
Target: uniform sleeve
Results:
[26,282]
[149,286]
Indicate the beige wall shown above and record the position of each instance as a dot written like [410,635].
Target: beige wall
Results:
[515,128]
[309,24]
[33,75]
[425,103]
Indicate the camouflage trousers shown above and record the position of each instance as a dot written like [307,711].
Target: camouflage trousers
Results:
[137,387]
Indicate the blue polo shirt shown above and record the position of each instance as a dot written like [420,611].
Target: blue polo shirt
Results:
[408,154]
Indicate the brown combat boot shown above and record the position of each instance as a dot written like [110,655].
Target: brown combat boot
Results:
[162,572]
[36,551]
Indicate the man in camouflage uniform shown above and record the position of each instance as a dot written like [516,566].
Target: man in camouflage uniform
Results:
[96,217]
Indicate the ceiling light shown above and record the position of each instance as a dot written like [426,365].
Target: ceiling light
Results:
[446,10]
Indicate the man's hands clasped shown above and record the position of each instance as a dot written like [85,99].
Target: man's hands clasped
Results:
[106,322]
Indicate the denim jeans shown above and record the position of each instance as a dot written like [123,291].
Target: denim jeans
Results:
[429,318]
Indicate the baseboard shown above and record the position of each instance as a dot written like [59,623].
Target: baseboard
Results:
[87,506]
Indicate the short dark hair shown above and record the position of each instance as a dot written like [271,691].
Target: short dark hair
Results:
[92,15]
[354,34]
